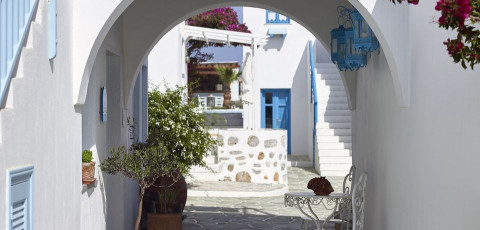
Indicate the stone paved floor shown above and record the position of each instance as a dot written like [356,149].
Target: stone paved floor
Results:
[253,212]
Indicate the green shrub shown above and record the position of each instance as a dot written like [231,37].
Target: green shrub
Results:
[86,156]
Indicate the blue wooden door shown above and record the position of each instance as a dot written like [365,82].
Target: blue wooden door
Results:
[276,110]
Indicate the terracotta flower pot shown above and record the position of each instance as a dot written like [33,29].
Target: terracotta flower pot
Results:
[170,221]
[88,172]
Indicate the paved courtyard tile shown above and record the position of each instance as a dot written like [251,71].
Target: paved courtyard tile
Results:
[252,212]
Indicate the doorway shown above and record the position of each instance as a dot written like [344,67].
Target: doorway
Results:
[276,110]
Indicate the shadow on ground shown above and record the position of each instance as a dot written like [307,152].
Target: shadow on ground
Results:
[236,218]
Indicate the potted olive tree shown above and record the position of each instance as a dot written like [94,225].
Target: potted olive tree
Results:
[177,140]
[88,167]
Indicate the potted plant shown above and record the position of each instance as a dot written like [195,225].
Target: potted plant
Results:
[177,140]
[227,75]
[144,163]
[176,124]
[88,167]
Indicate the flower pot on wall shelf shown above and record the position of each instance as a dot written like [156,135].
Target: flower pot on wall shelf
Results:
[88,172]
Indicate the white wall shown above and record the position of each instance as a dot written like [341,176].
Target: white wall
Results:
[40,127]
[283,63]
[165,60]
[111,200]
[422,160]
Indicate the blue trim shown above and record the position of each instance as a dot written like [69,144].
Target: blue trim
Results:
[13,32]
[314,98]
[277,19]
[16,176]
[52,29]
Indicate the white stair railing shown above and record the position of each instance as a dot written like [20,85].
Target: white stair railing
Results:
[15,18]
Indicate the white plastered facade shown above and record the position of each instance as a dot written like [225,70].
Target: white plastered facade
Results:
[415,120]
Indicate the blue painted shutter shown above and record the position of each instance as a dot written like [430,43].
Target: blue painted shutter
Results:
[52,29]
[20,199]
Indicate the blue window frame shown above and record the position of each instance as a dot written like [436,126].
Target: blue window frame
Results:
[276,18]
[20,198]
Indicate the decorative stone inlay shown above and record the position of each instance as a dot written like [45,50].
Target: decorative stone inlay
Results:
[261,155]
[270,143]
[232,141]
[253,141]
[240,158]
[235,152]
[255,156]
[243,177]
[230,167]
[220,140]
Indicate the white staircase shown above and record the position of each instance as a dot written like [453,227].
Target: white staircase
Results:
[334,127]
[202,174]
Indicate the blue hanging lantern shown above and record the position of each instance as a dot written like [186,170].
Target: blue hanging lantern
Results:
[342,44]
[364,37]
[337,47]
[355,59]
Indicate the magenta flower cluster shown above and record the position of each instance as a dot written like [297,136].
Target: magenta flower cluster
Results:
[225,18]
[454,11]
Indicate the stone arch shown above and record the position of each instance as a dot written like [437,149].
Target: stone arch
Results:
[153,21]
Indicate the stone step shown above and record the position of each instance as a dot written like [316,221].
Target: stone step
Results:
[334,139]
[329,82]
[328,76]
[341,173]
[334,152]
[333,100]
[332,106]
[334,132]
[328,93]
[330,87]
[335,160]
[335,118]
[333,146]
[336,167]
[202,177]
[334,125]
[326,68]
[334,112]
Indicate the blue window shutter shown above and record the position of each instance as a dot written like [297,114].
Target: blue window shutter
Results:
[52,29]
[20,199]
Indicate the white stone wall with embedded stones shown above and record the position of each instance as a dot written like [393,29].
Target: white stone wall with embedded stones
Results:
[255,156]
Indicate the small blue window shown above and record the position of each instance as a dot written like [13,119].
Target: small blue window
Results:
[20,198]
[276,18]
